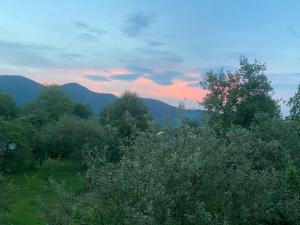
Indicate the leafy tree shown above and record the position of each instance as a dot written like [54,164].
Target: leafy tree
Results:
[294,103]
[285,132]
[126,114]
[121,120]
[16,145]
[83,111]
[51,103]
[235,97]
[8,107]
[67,136]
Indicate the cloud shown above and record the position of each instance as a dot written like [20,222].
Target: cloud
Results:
[137,23]
[294,32]
[26,54]
[11,45]
[70,56]
[125,77]
[88,37]
[139,69]
[195,84]
[87,32]
[163,78]
[162,55]
[96,77]
[154,43]
[167,77]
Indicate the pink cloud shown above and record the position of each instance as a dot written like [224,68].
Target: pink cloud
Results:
[172,94]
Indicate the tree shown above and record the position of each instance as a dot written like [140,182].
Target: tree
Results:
[126,114]
[16,145]
[83,111]
[294,103]
[121,119]
[235,97]
[8,107]
[66,137]
[50,104]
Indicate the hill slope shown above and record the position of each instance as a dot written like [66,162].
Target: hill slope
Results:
[24,90]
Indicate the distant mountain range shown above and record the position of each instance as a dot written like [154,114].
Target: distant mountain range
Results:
[24,90]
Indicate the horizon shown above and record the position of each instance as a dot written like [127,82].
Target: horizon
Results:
[81,85]
[142,46]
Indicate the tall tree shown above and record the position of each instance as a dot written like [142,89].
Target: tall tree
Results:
[294,103]
[83,111]
[8,107]
[51,103]
[126,114]
[121,119]
[235,97]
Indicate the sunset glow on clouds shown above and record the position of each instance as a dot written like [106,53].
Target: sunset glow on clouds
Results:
[157,48]
[179,90]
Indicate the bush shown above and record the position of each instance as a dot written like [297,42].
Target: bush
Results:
[186,177]
[16,140]
[48,167]
[66,137]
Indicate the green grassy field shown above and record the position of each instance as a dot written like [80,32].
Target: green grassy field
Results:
[31,184]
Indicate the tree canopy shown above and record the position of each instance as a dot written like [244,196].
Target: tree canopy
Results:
[8,107]
[51,103]
[235,97]
[126,114]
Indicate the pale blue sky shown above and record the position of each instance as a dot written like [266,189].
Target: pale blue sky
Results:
[148,45]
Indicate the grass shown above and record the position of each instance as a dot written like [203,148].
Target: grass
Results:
[31,184]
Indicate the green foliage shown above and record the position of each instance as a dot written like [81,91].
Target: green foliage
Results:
[121,120]
[46,169]
[16,140]
[8,107]
[7,192]
[294,103]
[51,103]
[83,111]
[186,177]
[127,114]
[67,136]
[235,97]
[29,186]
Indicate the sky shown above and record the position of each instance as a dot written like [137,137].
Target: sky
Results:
[157,48]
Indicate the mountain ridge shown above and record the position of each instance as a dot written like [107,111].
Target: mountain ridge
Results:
[24,90]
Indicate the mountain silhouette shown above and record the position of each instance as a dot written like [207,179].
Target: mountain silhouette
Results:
[24,90]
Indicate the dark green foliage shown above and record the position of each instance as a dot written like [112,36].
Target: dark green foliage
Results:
[121,120]
[294,104]
[187,177]
[50,104]
[8,107]
[67,136]
[82,111]
[16,145]
[7,192]
[235,97]
[126,114]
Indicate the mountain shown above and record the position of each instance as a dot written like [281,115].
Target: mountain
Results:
[79,93]
[24,90]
